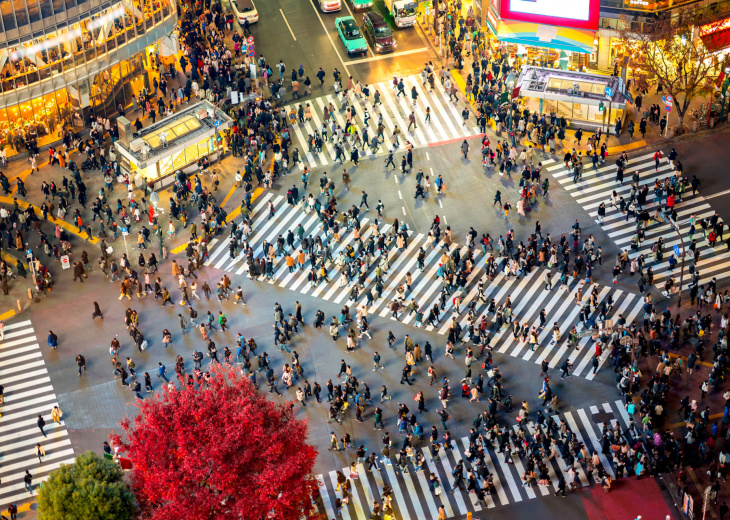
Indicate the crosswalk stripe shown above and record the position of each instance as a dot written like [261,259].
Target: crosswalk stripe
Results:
[428,293]
[622,412]
[18,325]
[460,504]
[404,107]
[28,393]
[527,291]
[430,502]
[413,498]
[574,428]
[474,275]
[474,500]
[446,121]
[333,479]
[400,500]
[399,272]
[501,493]
[561,351]
[458,457]
[369,497]
[532,427]
[515,293]
[590,428]
[513,488]
[21,341]
[11,353]
[324,494]
[517,462]
[359,511]
[596,187]
[533,314]
[413,493]
[631,317]
[444,499]
[435,122]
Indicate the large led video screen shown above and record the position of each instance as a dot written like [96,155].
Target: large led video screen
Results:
[579,14]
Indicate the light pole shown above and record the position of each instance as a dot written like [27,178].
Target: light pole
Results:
[215,118]
[674,226]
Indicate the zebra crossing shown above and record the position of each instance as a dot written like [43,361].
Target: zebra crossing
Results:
[597,186]
[527,293]
[28,392]
[446,122]
[413,498]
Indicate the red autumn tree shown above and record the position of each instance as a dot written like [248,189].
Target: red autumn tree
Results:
[219,452]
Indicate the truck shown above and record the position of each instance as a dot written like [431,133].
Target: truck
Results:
[403,11]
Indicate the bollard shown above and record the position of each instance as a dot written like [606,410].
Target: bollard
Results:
[30,294]
[20,306]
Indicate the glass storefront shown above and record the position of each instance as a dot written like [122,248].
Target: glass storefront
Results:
[177,161]
[60,69]
[78,44]
[45,118]
[173,144]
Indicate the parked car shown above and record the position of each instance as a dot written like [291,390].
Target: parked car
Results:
[377,32]
[330,5]
[350,35]
[245,10]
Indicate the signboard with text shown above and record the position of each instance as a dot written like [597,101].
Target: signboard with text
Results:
[645,5]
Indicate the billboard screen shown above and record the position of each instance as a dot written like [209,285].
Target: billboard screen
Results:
[578,14]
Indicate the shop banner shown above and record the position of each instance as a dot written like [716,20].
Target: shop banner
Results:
[532,34]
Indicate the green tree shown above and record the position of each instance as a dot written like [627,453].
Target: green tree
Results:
[670,51]
[91,487]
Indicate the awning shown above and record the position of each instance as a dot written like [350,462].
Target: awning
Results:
[552,37]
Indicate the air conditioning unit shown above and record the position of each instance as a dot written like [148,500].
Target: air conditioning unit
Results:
[136,145]
[202,114]
[211,112]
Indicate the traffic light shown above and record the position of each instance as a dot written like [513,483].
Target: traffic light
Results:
[601,106]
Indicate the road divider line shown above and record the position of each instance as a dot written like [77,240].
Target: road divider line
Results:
[287,24]
[387,56]
[347,71]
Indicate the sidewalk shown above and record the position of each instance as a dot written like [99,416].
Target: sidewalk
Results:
[616,145]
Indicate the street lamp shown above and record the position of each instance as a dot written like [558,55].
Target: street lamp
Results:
[215,118]
[674,226]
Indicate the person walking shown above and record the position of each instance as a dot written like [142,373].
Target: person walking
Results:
[364,200]
[28,482]
[443,416]
[389,161]
[56,414]
[162,372]
[40,452]
[41,424]
[52,340]
[97,312]
[81,362]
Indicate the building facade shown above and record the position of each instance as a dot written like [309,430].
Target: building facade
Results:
[584,34]
[60,60]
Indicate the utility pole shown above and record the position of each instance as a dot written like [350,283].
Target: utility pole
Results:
[664,218]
